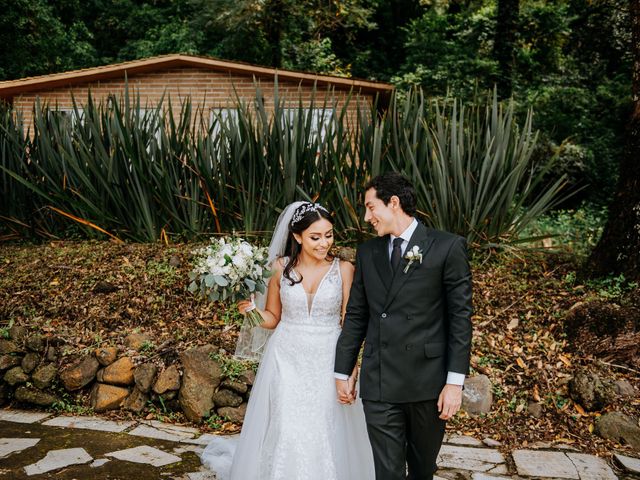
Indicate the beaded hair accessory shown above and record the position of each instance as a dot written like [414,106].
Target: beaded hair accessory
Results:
[302,210]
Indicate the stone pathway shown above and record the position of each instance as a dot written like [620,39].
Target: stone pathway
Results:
[37,445]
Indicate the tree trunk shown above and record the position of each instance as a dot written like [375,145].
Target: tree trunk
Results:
[618,251]
[275,16]
[504,44]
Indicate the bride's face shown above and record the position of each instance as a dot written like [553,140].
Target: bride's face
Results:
[317,239]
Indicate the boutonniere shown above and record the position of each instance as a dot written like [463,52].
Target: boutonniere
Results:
[413,255]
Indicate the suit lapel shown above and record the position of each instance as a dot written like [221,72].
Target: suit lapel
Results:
[382,262]
[420,238]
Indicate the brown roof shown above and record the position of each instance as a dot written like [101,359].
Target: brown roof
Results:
[16,87]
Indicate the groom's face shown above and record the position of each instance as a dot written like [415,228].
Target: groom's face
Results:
[381,217]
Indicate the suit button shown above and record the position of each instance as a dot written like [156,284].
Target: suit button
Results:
[408,346]
[384,315]
[383,345]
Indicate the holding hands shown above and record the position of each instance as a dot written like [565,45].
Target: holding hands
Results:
[346,389]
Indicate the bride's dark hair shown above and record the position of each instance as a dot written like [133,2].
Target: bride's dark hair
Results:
[304,216]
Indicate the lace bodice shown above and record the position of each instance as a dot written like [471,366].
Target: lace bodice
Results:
[322,308]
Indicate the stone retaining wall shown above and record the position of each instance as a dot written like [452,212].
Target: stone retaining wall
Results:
[31,372]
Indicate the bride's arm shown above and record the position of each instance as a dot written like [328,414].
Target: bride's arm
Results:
[273,308]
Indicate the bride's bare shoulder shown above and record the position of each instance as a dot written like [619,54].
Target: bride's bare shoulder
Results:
[346,268]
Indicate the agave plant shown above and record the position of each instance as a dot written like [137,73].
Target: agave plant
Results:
[151,172]
[471,165]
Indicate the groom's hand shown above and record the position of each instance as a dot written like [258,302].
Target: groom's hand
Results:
[449,401]
[344,390]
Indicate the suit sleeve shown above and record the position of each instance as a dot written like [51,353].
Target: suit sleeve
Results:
[457,284]
[355,324]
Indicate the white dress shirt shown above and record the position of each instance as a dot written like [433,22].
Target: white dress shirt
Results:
[453,378]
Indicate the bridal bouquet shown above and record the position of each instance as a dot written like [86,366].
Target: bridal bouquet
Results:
[230,268]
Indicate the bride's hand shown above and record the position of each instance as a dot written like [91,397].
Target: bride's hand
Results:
[245,306]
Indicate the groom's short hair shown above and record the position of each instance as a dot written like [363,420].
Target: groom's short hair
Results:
[392,183]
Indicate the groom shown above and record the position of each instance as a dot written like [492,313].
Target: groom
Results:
[411,303]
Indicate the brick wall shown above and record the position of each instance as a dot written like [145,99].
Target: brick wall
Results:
[207,89]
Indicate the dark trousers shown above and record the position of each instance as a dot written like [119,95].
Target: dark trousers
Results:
[404,435]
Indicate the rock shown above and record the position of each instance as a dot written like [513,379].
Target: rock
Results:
[166,397]
[106,355]
[104,287]
[7,347]
[169,379]
[143,375]
[107,397]
[9,361]
[35,343]
[76,377]
[135,341]
[44,376]
[247,377]
[233,414]
[490,442]
[136,401]
[477,396]
[535,409]
[590,392]
[52,354]
[30,362]
[237,387]
[5,391]
[15,376]
[226,398]
[630,464]
[119,372]
[34,396]
[620,428]
[200,379]
[17,333]
[624,388]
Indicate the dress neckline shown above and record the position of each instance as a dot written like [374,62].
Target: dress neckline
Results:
[311,304]
[298,277]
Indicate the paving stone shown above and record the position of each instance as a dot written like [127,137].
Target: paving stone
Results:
[631,464]
[197,449]
[535,463]
[490,442]
[99,462]
[484,476]
[201,476]
[203,439]
[22,416]
[89,423]
[591,467]
[469,458]
[500,469]
[464,440]
[57,459]
[145,454]
[13,445]
[163,431]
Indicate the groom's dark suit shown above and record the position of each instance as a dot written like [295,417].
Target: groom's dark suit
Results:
[417,328]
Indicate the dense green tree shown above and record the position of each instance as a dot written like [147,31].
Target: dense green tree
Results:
[504,44]
[618,250]
[40,36]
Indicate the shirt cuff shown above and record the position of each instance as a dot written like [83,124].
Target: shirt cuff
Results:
[454,378]
[340,376]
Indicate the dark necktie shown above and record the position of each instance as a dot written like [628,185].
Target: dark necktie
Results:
[396,253]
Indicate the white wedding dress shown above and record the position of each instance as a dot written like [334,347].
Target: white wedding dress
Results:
[294,428]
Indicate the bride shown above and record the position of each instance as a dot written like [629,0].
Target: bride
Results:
[294,428]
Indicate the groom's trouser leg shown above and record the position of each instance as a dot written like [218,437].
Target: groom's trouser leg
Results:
[425,431]
[387,433]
